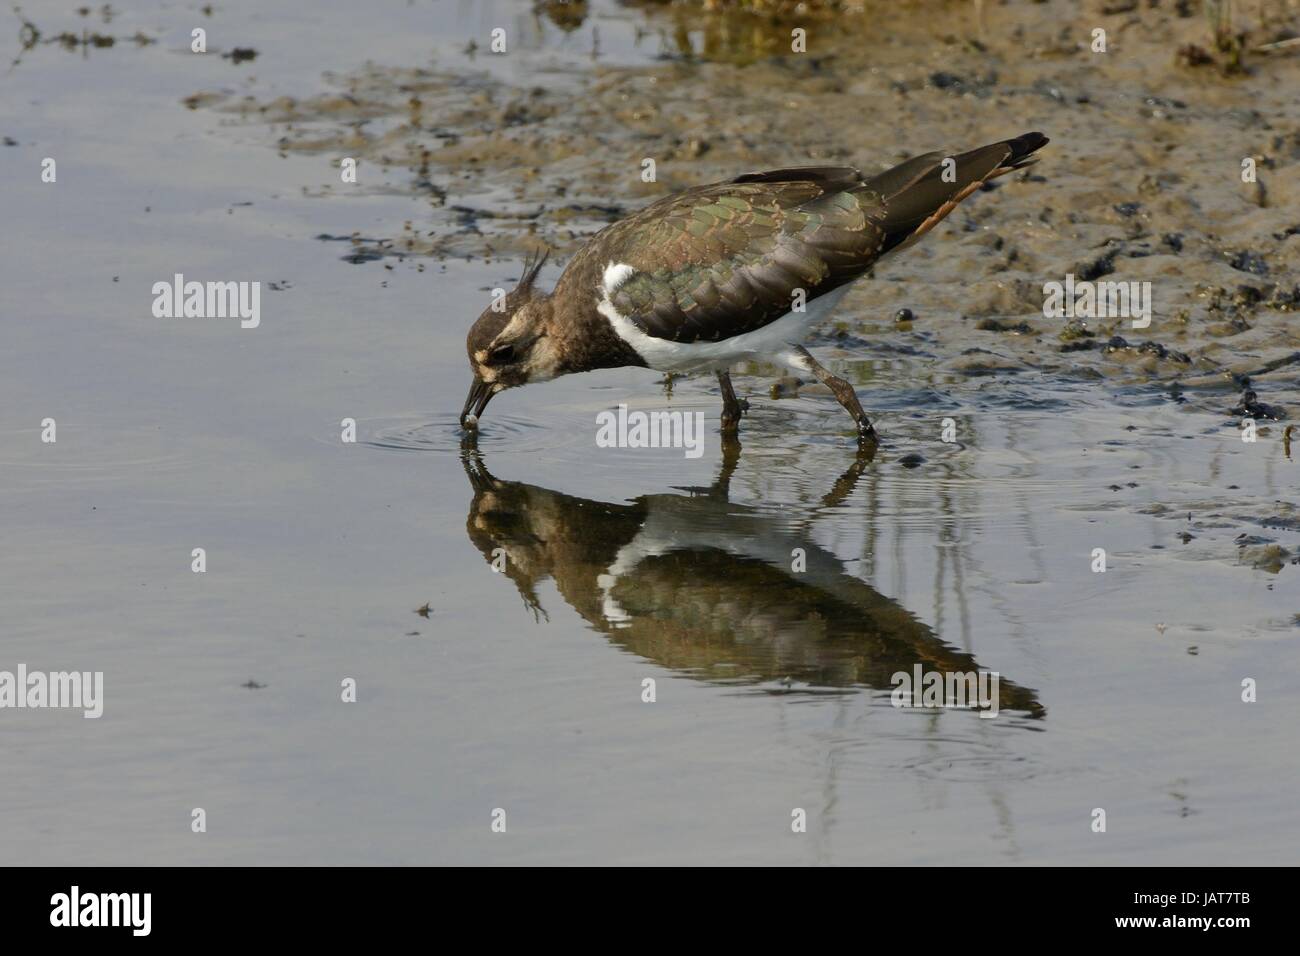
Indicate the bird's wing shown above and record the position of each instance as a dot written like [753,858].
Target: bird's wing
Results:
[722,260]
[717,261]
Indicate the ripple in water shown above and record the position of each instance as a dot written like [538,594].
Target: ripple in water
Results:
[443,433]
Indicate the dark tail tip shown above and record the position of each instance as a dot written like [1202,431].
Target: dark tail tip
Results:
[1025,144]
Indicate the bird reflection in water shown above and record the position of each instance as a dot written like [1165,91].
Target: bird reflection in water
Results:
[708,588]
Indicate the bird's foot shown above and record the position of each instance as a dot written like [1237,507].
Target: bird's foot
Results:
[867,436]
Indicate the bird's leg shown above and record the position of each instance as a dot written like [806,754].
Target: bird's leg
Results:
[732,407]
[842,391]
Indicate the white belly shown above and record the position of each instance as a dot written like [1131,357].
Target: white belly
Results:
[773,342]
[675,524]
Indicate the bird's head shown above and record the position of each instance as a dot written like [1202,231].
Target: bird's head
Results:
[509,344]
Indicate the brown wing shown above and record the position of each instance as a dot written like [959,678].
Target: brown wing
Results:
[721,260]
[730,259]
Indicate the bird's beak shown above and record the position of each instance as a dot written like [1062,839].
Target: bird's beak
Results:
[480,393]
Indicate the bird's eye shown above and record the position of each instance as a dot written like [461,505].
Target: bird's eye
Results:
[501,354]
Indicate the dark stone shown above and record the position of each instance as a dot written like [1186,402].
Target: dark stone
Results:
[1103,265]
[1247,261]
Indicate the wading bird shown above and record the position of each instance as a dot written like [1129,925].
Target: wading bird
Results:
[718,274]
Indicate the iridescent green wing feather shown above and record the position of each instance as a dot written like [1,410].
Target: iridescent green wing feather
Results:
[718,261]
[723,260]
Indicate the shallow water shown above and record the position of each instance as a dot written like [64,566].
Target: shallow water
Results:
[523,690]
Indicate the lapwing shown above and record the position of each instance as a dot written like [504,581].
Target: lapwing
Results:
[728,272]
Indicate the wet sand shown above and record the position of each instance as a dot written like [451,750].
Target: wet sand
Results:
[524,690]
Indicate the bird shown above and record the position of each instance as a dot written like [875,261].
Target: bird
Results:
[722,273]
